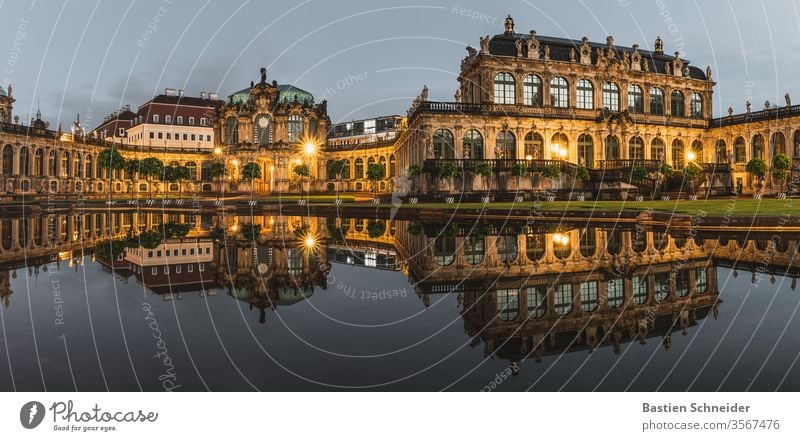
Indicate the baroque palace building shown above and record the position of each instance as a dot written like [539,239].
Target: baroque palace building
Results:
[522,98]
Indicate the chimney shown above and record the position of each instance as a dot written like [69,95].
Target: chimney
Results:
[180,92]
[213,96]
[169,92]
[204,95]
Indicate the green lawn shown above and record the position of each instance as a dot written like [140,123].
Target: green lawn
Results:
[311,199]
[711,207]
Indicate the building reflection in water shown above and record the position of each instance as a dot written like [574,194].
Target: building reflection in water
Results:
[523,292]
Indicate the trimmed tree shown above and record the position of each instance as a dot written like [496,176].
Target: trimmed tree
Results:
[691,172]
[216,171]
[335,169]
[132,167]
[582,173]
[110,159]
[518,170]
[484,170]
[375,173]
[376,228]
[251,171]
[758,168]
[638,174]
[448,170]
[780,168]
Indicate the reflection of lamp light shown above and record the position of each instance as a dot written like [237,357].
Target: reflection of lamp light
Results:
[271,168]
[562,153]
[555,148]
[310,241]
[560,239]
[235,162]
[310,148]
[528,157]
[298,161]
[691,156]
[217,151]
[234,227]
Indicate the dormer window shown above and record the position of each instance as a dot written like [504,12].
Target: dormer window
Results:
[155,119]
[179,120]
[191,120]
[202,121]
[168,119]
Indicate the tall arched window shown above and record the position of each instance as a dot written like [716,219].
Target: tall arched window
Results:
[586,151]
[231,130]
[507,304]
[534,146]
[506,145]
[295,128]
[677,105]
[677,154]
[504,88]
[65,164]
[758,147]
[507,250]
[796,144]
[8,160]
[777,144]
[697,149]
[658,149]
[443,144]
[52,168]
[24,161]
[473,145]
[585,97]
[611,97]
[739,151]
[656,101]
[474,249]
[696,105]
[532,91]
[39,163]
[444,250]
[262,130]
[721,151]
[77,167]
[537,301]
[192,166]
[635,99]
[89,166]
[559,145]
[359,169]
[636,148]
[612,148]
[559,92]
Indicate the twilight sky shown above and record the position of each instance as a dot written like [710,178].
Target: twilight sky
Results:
[368,58]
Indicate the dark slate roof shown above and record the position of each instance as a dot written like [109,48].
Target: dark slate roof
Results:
[504,45]
[184,100]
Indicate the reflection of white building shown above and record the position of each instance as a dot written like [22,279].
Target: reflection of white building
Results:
[174,267]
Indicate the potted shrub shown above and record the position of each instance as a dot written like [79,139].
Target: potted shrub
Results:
[251,171]
[414,171]
[758,168]
[780,168]
[375,173]
[691,172]
[448,171]
[484,170]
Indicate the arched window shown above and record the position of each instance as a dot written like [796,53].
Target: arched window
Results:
[443,144]
[179,120]
[559,146]
[758,147]
[537,301]
[262,130]
[39,163]
[192,166]
[473,145]
[392,166]
[8,160]
[739,151]
[504,89]
[677,107]
[359,168]
[656,101]
[586,151]
[696,105]
[52,168]
[474,249]
[562,299]
[721,151]
[444,250]
[89,166]
[658,149]
[191,120]
[295,128]
[611,97]
[796,144]
[507,249]
[559,92]
[506,145]
[612,148]
[589,296]
[231,130]
[24,161]
[697,149]
[636,148]
[677,154]
[77,167]
[65,164]
[588,242]
[777,144]
[585,97]
[534,146]
[507,304]
[168,119]
[155,119]
[532,91]
[635,99]
[346,169]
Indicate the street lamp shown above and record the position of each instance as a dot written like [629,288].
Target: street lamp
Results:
[217,151]
[691,156]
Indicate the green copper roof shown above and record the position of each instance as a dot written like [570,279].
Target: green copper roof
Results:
[3,92]
[287,92]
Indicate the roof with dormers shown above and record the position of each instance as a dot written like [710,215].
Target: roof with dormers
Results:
[504,45]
